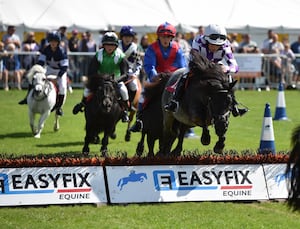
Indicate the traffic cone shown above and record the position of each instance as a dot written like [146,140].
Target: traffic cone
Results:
[280,112]
[267,143]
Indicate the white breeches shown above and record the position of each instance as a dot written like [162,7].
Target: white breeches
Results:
[61,81]
[133,85]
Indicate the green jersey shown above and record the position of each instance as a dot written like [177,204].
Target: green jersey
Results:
[110,64]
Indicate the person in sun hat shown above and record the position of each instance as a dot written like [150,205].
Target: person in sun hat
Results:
[213,44]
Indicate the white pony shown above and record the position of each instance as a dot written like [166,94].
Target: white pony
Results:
[41,99]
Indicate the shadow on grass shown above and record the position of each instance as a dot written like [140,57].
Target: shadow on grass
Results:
[61,144]
[16,135]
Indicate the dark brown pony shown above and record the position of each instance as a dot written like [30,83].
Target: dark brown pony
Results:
[152,116]
[206,101]
[293,171]
[102,112]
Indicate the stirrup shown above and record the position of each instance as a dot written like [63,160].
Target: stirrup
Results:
[125,117]
[172,106]
[59,111]
[137,127]
[78,108]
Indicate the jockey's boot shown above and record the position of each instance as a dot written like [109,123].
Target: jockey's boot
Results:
[79,107]
[24,101]
[59,103]
[235,110]
[138,125]
[125,105]
[172,106]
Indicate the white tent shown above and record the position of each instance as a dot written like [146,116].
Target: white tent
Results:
[254,17]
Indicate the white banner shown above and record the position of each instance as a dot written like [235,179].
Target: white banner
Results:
[52,185]
[129,184]
[276,180]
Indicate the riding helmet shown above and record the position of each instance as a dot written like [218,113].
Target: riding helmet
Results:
[215,34]
[127,31]
[53,36]
[166,29]
[110,38]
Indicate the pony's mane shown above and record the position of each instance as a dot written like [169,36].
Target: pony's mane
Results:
[35,69]
[205,69]
[96,80]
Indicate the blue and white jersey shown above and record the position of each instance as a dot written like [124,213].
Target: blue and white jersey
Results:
[132,56]
[56,60]
[223,53]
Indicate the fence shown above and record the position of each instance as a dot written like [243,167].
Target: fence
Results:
[256,70]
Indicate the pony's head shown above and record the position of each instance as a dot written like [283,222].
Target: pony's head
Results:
[105,88]
[34,70]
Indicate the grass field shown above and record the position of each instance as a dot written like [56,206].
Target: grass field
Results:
[243,134]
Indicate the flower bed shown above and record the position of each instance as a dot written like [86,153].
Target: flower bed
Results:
[187,158]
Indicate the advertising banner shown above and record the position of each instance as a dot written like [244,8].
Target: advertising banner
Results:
[277,180]
[52,185]
[129,184]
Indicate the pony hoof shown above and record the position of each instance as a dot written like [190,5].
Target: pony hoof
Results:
[37,136]
[96,140]
[113,136]
[85,153]
[205,140]
[219,148]
[127,136]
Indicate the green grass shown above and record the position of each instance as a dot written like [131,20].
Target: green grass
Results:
[244,133]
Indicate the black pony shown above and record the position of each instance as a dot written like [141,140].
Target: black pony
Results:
[206,101]
[102,112]
[293,171]
[152,115]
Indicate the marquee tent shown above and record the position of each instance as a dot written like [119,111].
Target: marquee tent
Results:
[241,16]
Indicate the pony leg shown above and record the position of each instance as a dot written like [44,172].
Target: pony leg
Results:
[104,144]
[56,123]
[41,124]
[221,126]
[31,122]
[178,148]
[205,137]
[140,147]
[150,143]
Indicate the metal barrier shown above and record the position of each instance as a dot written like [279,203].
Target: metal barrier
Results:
[256,70]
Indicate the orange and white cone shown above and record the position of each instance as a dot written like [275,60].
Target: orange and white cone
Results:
[280,112]
[267,140]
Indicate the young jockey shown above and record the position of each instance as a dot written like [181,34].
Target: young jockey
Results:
[130,50]
[164,55]
[215,46]
[108,60]
[56,61]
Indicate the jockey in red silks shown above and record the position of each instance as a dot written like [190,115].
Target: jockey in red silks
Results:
[214,46]
[164,55]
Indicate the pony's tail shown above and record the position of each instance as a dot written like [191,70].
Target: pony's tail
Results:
[293,171]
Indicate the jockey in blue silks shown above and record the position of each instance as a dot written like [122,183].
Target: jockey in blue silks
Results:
[57,63]
[162,56]
[214,46]
[133,58]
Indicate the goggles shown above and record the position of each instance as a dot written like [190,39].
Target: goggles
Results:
[217,36]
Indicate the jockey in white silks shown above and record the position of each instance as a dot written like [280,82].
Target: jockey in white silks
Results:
[214,46]
[130,50]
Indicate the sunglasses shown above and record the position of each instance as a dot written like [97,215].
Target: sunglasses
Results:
[217,36]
